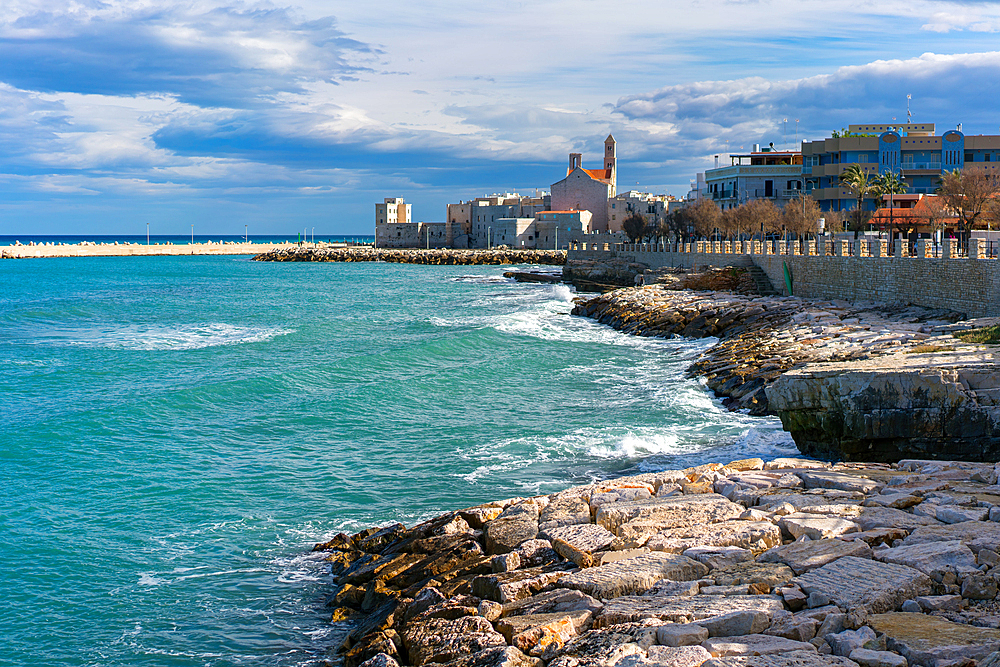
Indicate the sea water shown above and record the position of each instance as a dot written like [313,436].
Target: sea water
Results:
[177,432]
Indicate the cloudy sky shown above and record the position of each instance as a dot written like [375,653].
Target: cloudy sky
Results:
[114,114]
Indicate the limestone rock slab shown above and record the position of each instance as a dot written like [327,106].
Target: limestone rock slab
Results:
[681,634]
[509,586]
[791,659]
[872,518]
[869,658]
[737,623]
[587,537]
[567,510]
[670,512]
[931,557]
[816,528]
[976,535]
[517,524]
[719,557]
[860,584]
[754,645]
[558,600]
[442,640]
[682,609]
[633,575]
[754,535]
[924,640]
[604,646]
[770,574]
[526,632]
[956,514]
[507,656]
[808,555]
[681,656]
[827,479]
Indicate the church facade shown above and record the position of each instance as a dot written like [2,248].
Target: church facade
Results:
[589,189]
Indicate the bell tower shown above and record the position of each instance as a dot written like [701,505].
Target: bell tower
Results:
[611,162]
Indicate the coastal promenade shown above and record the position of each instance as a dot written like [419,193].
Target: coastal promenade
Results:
[784,563]
[89,249]
[491,256]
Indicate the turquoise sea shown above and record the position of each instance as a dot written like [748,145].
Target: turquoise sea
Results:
[176,433]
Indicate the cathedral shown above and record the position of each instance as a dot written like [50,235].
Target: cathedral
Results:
[588,189]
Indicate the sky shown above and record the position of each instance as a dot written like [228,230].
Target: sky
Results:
[277,117]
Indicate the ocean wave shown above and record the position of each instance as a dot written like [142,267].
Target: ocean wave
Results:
[157,337]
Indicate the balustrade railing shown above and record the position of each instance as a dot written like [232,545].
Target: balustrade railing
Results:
[861,247]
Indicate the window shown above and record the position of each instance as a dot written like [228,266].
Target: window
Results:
[968,156]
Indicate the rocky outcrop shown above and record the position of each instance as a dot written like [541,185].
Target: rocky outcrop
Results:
[593,276]
[930,405]
[446,256]
[910,587]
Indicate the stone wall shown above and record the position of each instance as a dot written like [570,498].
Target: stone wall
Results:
[970,286]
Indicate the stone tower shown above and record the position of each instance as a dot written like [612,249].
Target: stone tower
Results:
[611,163]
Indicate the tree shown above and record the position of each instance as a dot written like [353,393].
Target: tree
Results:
[634,226]
[759,215]
[704,216]
[861,184]
[890,183]
[972,194]
[932,212]
[833,221]
[801,216]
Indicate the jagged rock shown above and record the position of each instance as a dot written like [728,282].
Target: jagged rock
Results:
[604,646]
[526,632]
[517,524]
[558,600]
[979,586]
[619,495]
[877,536]
[495,657]
[861,585]
[868,658]
[939,602]
[719,557]
[633,575]
[834,480]
[808,658]
[769,574]
[380,660]
[753,535]
[931,557]
[682,609]
[443,640]
[681,634]
[808,555]
[477,517]
[755,645]
[509,586]
[659,514]
[955,514]
[816,528]
[666,656]
[929,640]
[842,643]
[796,627]
[490,610]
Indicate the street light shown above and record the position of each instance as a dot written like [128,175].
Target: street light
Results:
[192,234]
[147,233]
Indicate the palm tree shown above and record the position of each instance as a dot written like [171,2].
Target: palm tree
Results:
[858,181]
[890,184]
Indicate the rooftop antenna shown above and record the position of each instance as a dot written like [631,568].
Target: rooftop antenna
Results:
[909,118]
[797,134]
[784,133]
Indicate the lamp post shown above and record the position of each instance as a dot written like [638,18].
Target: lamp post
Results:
[192,234]
[147,233]
[246,236]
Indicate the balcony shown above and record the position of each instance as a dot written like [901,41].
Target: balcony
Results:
[933,166]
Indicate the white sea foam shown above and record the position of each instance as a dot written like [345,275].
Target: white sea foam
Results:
[159,337]
[147,579]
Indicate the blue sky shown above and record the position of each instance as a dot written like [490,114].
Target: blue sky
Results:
[285,116]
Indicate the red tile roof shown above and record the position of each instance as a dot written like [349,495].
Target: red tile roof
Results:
[599,174]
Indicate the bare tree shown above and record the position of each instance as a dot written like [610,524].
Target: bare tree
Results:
[972,194]
[704,216]
[834,220]
[801,215]
[932,212]
[634,226]
[759,215]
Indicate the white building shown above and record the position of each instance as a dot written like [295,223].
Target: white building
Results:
[589,189]
[392,211]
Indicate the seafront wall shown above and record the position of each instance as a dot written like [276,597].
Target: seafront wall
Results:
[964,284]
[137,250]
[494,256]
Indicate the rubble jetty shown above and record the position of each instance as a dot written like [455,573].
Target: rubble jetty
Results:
[494,256]
[789,563]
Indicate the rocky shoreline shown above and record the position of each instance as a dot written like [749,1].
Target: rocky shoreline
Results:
[789,563]
[495,256]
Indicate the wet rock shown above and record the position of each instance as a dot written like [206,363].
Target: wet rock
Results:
[804,556]
[929,640]
[755,645]
[633,575]
[682,609]
[861,585]
[517,524]
[931,557]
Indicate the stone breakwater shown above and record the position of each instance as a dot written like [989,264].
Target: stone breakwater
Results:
[790,563]
[763,337]
[115,249]
[494,256]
